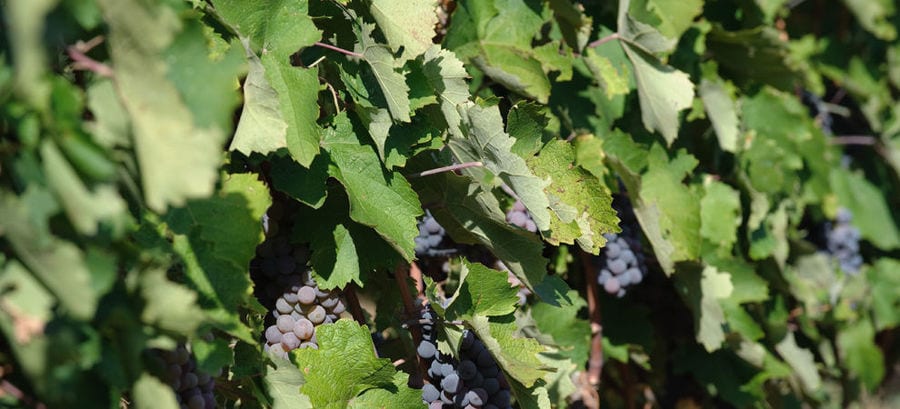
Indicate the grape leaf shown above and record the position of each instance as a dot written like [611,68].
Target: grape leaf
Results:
[151,393]
[496,37]
[720,214]
[297,90]
[856,345]
[875,16]
[885,298]
[571,334]
[485,141]
[581,203]
[447,77]
[722,113]
[753,55]
[25,29]
[516,356]
[701,291]
[382,200]
[406,24]
[167,305]
[262,127]
[483,291]
[663,92]
[392,83]
[871,213]
[178,160]
[277,27]
[574,24]
[283,384]
[45,258]
[344,366]
[400,396]
[802,361]
[671,18]
[613,78]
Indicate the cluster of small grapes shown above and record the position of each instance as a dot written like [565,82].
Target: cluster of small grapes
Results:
[431,235]
[278,263]
[193,388]
[843,242]
[298,312]
[819,110]
[475,381]
[519,216]
[621,263]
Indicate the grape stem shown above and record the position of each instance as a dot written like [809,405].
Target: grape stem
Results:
[853,140]
[603,40]
[339,49]
[595,363]
[83,62]
[450,168]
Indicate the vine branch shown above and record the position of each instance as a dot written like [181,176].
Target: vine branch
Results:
[338,49]
[595,362]
[83,62]
[603,40]
[450,168]
[866,140]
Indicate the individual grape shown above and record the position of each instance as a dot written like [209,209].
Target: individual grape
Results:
[617,266]
[430,393]
[431,234]
[316,314]
[283,306]
[467,370]
[285,323]
[196,402]
[491,385]
[303,328]
[329,302]
[290,340]
[450,383]
[309,344]
[426,349]
[306,295]
[484,358]
[339,308]
[477,396]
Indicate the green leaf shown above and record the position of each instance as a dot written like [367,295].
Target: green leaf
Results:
[613,78]
[406,24]
[885,298]
[306,185]
[720,107]
[485,141]
[400,396]
[344,366]
[669,211]
[496,37]
[663,92]
[720,214]
[85,208]
[167,305]
[383,200]
[483,291]
[856,345]
[527,122]
[571,334]
[283,384]
[111,126]
[392,83]
[671,18]
[581,203]
[871,213]
[755,55]
[178,159]
[47,258]
[278,27]
[298,90]
[701,291]
[447,77]
[151,393]
[25,27]
[802,361]
[516,356]
[875,16]
[574,24]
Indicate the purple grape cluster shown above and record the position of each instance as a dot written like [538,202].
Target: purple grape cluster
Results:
[519,216]
[843,242]
[474,381]
[431,235]
[298,312]
[193,388]
[621,263]
[278,263]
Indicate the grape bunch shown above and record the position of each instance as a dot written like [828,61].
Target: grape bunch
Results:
[843,242]
[621,263]
[193,388]
[431,234]
[298,312]
[278,263]
[475,381]
[519,216]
